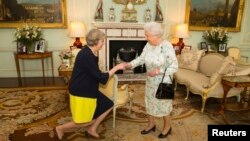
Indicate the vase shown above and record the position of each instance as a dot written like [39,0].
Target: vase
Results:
[216,47]
[30,47]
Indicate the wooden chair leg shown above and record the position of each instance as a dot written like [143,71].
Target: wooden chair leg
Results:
[114,114]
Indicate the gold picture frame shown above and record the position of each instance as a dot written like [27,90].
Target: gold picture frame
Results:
[205,14]
[45,14]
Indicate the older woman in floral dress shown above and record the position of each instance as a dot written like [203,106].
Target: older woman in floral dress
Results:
[157,55]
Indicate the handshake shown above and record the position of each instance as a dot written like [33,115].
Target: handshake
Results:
[127,65]
[123,66]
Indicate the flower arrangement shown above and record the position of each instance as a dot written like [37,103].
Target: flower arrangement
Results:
[216,36]
[28,34]
[66,54]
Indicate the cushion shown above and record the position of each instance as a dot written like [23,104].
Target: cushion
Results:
[190,59]
[226,67]
[210,63]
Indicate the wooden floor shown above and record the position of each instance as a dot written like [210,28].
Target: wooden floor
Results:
[33,82]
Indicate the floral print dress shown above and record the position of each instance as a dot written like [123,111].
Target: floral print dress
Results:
[161,56]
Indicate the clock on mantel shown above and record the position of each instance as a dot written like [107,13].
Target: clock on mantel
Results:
[132,1]
[129,13]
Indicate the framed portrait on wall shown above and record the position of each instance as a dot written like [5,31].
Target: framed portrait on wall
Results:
[205,14]
[43,13]
[40,46]
[222,47]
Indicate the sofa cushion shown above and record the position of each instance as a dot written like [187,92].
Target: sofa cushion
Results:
[210,63]
[226,67]
[185,76]
[190,59]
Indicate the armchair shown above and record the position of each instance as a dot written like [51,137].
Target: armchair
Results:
[235,53]
[120,96]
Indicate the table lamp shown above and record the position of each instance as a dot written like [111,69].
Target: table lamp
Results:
[77,30]
[181,32]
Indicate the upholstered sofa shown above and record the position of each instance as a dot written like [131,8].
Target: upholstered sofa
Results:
[201,74]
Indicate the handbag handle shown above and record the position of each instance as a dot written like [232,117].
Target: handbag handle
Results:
[164,76]
[165,72]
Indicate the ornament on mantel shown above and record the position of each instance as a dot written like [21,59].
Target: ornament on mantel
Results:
[148,15]
[99,12]
[112,14]
[158,15]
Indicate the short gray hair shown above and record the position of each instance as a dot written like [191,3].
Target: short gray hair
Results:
[154,28]
[93,36]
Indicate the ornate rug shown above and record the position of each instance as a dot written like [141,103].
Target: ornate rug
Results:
[188,123]
[18,108]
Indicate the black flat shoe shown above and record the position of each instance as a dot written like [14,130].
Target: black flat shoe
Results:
[146,132]
[164,136]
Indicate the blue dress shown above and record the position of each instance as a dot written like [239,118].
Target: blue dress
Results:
[85,80]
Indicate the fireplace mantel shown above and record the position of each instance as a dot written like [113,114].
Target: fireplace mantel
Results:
[118,25]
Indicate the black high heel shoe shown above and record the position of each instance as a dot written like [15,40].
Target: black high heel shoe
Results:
[164,136]
[148,131]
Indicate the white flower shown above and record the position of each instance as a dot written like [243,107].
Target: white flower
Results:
[216,35]
[28,34]
[66,54]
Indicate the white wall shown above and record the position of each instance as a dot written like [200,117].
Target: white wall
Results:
[57,39]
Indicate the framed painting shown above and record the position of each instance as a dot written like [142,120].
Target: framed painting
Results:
[205,14]
[43,13]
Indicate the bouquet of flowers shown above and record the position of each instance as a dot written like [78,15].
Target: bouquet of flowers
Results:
[66,54]
[216,36]
[28,34]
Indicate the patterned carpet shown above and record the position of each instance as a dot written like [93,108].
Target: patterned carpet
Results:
[31,116]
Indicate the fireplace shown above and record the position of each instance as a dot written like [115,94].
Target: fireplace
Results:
[114,58]
[119,35]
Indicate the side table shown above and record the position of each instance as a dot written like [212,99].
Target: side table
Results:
[234,81]
[65,72]
[41,56]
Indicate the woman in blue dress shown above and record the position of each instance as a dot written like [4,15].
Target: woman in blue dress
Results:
[87,104]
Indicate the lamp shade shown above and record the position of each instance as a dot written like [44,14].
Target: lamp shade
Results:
[182,31]
[77,29]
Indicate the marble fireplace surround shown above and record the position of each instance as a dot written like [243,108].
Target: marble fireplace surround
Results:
[117,32]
